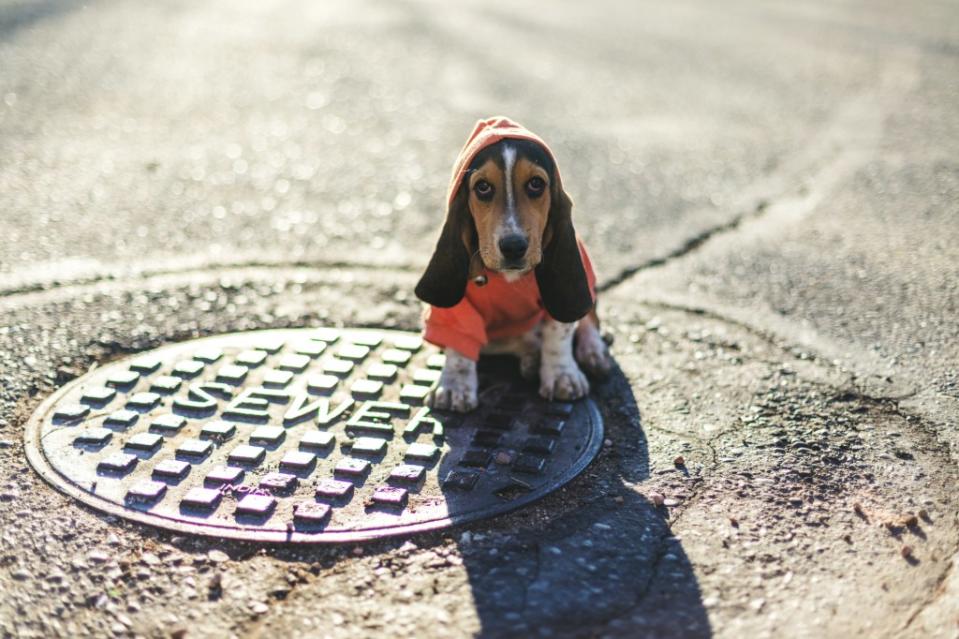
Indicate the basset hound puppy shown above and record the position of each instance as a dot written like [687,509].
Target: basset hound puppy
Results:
[509,274]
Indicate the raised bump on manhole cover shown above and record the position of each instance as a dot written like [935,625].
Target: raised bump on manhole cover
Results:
[286,436]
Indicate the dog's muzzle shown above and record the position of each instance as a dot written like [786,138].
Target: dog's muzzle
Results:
[513,248]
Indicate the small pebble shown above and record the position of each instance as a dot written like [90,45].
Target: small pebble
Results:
[657,499]
[503,458]
[679,461]
[260,608]
[906,552]
[217,556]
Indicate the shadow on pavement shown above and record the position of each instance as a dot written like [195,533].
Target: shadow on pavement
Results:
[593,559]
[18,16]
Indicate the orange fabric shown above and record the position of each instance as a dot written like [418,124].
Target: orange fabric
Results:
[486,133]
[499,309]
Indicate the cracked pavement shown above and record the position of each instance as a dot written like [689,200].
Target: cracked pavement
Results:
[770,193]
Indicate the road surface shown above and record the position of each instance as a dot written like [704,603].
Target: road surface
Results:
[770,192]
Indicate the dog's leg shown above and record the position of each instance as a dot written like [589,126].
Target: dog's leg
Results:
[591,351]
[559,375]
[458,385]
[529,355]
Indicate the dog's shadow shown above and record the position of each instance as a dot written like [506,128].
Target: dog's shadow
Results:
[595,558]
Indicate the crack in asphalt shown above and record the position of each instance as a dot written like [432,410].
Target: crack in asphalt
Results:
[662,550]
[843,145]
[690,245]
[136,274]
[191,277]
[537,548]
[705,442]
[937,591]
[780,342]
[890,405]
[850,387]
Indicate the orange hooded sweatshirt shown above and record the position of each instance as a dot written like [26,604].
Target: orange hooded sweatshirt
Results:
[498,309]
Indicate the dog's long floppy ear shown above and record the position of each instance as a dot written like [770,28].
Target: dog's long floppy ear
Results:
[561,275]
[443,283]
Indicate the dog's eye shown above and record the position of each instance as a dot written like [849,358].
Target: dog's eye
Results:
[484,190]
[536,186]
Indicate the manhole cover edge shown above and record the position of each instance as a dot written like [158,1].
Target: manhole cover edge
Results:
[39,462]
[92,501]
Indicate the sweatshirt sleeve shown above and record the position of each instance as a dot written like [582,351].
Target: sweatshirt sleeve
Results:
[461,328]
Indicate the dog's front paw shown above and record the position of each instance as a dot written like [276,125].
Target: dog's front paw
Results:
[458,385]
[564,382]
[461,399]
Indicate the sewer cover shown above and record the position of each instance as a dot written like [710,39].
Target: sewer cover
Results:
[302,435]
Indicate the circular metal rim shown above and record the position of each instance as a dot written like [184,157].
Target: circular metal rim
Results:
[39,462]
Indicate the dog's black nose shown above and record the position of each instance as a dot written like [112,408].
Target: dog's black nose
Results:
[513,247]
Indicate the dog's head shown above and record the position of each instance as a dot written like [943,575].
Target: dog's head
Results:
[510,214]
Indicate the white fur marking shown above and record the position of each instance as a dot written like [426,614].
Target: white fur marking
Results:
[559,375]
[458,385]
[510,225]
[509,160]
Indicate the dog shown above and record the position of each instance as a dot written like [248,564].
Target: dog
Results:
[508,274]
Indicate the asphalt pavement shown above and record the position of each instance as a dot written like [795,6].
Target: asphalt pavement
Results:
[771,196]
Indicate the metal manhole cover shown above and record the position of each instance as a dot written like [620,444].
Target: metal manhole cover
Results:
[302,435]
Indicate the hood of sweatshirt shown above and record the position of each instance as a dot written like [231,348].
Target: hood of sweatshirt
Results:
[486,133]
